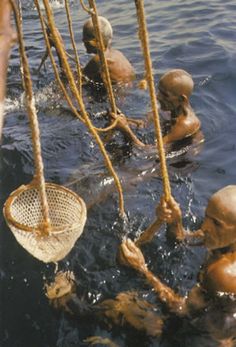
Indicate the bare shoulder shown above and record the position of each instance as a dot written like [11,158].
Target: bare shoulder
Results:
[184,126]
[115,54]
[190,119]
[119,66]
[189,123]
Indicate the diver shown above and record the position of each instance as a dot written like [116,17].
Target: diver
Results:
[120,69]
[212,301]
[209,307]
[174,90]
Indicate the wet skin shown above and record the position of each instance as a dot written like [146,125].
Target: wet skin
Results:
[218,231]
[218,228]
[120,69]
[218,274]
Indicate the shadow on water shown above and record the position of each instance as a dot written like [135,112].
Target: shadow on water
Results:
[194,36]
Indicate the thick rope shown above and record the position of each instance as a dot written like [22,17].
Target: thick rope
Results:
[123,123]
[148,234]
[143,34]
[85,8]
[30,103]
[55,69]
[78,97]
[101,50]
[78,67]
[110,127]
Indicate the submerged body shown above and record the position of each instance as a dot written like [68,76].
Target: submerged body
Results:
[217,280]
[120,69]
[174,90]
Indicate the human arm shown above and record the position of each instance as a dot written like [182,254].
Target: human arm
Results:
[170,213]
[131,255]
[166,212]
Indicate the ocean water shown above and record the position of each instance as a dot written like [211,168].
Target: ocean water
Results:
[197,36]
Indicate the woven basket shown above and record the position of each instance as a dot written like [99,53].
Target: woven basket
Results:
[67,213]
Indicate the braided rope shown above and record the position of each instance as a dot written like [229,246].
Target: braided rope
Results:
[101,50]
[30,103]
[79,72]
[78,97]
[143,34]
[55,69]
[110,127]
[85,8]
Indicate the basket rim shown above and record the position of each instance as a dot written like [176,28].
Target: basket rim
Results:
[32,186]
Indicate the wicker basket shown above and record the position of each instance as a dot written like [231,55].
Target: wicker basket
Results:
[67,212]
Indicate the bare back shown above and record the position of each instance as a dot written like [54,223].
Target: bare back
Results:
[120,69]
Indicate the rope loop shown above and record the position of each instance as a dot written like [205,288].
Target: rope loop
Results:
[86,9]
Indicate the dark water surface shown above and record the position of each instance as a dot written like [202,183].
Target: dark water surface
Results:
[197,36]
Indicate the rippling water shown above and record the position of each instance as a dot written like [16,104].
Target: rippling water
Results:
[197,36]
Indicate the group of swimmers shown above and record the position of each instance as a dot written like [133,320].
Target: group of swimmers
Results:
[217,278]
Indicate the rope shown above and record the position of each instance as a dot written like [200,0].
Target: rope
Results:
[30,103]
[55,69]
[110,127]
[122,123]
[78,97]
[143,34]
[79,72]
[85,8]
[101,50]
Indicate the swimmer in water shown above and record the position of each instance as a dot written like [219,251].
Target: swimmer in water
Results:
[217,280]
[120,69]
[174,90]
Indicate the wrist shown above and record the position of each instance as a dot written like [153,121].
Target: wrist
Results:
[176,231]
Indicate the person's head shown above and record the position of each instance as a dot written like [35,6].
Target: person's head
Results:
[219,225]
[174,89]
[89,37]
[220,276]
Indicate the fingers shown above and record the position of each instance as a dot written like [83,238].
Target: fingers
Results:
[128,248]
[131,255]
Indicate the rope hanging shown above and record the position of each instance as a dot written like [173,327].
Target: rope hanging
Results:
[58,78]
[45,218]
[78,97]
[79,72]
[122,121]
[148,234]
[143,34]
[30,103]
[101,49]
[55,69]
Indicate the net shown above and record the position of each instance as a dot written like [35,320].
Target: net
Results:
[67,212]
